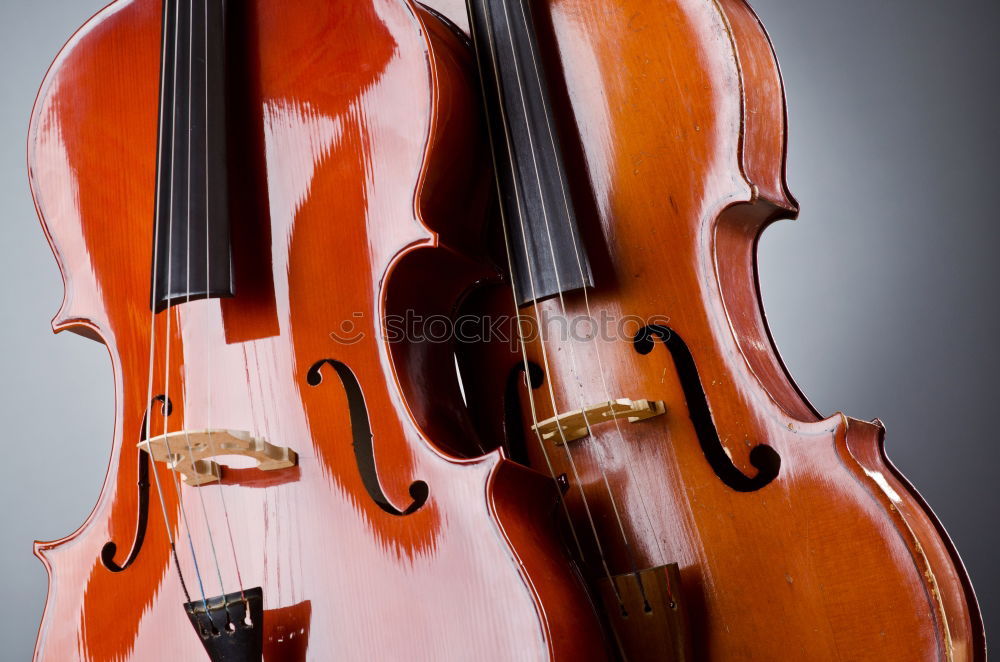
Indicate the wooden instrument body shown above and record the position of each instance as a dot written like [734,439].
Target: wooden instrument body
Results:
[673,120]
[351,111]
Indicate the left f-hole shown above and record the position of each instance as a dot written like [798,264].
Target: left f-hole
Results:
[361,431]
[110,548]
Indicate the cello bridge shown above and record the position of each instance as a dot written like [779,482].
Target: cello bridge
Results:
[577,424]
[191,453]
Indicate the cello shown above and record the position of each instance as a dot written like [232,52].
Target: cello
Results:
[222,185]
[640,153]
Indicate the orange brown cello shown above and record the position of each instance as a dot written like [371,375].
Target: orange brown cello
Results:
[297,181]
[640,153]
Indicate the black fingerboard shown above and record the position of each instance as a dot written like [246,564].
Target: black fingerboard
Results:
[192,255]
[546,254]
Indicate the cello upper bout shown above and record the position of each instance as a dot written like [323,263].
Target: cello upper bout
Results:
[91,159]
[764,126]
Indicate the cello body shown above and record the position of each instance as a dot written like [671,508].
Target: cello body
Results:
[374,546]
[794,535]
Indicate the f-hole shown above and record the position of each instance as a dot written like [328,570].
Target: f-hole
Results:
[110,548]
[513,423]
[764,458]
[361,431]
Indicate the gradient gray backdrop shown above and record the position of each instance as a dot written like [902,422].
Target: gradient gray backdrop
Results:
[882,297]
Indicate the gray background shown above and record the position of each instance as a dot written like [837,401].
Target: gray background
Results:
[882,297]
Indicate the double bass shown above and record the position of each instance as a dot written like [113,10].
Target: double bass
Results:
[640,150]
[238,195]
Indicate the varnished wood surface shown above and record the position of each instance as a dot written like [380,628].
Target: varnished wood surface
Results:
[349,112]
[674,114]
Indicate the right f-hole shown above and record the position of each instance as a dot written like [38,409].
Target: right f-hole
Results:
[764,458]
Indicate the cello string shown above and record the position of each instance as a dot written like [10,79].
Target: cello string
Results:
[166,441]
[574,370]
[269,502]
[187,283]
[586,296]
[169,314]
[258,400]
[256,430]
[208,349]
[152,306]
[503,220]
[527,370]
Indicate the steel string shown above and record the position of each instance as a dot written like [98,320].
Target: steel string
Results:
[208,345]
[152,330]
[574,369]
[152,340]
[187,293]
[534,298]
[586,299]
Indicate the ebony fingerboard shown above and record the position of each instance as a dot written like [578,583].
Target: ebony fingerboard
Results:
[547,256]
[192,256]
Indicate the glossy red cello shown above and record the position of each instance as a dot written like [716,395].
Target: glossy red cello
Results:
[223,186]
[640,152]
